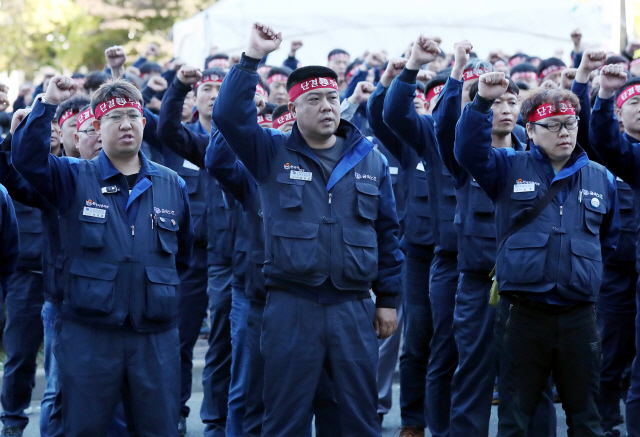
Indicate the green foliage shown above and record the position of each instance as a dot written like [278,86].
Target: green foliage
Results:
[70,34]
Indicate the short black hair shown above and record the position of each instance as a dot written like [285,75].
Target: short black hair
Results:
[337,52]
[440,79]
[519,55]
[523,67]
[512,88]
[548,63]
[616,60]
[268,109]
[74,104]
[77,75]
[286,71]
[632,81]
[523,86]
[216,70]
[282,109]
[421,86]
[216,56]
[94,79]
[150,67]
[309,72]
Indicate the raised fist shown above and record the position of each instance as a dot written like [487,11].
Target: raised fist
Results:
[176,64]
[4,88]
[612,77]
[394,68]
[60,88]
[295,46]
[426,75]
[152,50]
[375,59]
[263,40]
[549,84]
[135,71]
[18,116]
[4,101]
[258,99]
[157,83]
[189,75]
[492,85]
[576,37]
[567,77]
[592,60]
[462,52]
[424,51]
[631,47]
[362,92]
[115,57]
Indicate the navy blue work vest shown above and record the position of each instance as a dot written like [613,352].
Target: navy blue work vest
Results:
[418,236]
[561,247]
[113,270]
[312,234]
[625,254]
[220,244]
[30,228]
[398,182]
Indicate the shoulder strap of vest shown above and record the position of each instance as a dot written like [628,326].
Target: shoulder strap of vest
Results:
[531,214]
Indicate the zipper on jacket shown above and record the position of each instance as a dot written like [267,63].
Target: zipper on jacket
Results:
[330,195]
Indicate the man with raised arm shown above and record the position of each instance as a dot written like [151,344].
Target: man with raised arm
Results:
[330,236]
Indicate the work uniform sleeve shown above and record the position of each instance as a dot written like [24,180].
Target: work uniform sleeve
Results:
[19,189]
[487,165]
[375,108]
[9,240]
[53,177]
[582,91]
[291,62]
[149,134]
[446,114]
[222,164]
[173,134]
[617,153]
[400,113]
[610,227]
[185,233]
[388,285]
[235,115]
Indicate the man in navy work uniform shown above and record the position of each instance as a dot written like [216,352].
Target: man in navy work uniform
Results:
[621,153]
[126,236]
[417,242]
[549,268]
[9,240]
[330,236]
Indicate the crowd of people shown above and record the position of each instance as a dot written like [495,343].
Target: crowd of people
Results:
[477,217]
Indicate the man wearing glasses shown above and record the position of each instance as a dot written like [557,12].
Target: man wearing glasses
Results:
[126,235]
[550,258]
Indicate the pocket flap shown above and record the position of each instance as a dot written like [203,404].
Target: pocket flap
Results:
[162,275]
[601,208]
[294,229]
[285,178]
[170,224]
[93,269]
[366,188]
[360,237]
[524,195]
[586,249]
[525,240]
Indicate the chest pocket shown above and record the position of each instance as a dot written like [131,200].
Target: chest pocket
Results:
[419,186]
[480,202]
[367,200]
[191,175]
[593,215]
[92,230]
[521,203]
[295,246]
[290,191]
[168,233]
[91,286]
[626,206]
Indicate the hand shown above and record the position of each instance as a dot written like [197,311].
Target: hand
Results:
[4,101]
[425,75]
[631,47]
[176,64]
[576,36]
[567,77]
[157,83]
[115,57]
[549,85]
[60,88]
[213,50]
[25,89]
[591,61]
[462,52]
[362,93]
[295,46]
[189,75]
[385,322]
[394,68]
[437,39]
[424,51]
[492,85]
[154,104]
[407,51]
[258,99]
[612,77]
[18,116]
[233,60]
[263,40]
[152,50]
[4,88]
[374,59]
[133,71]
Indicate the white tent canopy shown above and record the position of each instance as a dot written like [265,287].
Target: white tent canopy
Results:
[537,28]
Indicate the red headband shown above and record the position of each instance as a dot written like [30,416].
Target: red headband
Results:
[66,116]
[435,91]
[267,118]
[471,73]
[500,63]
[517,60]
[283,119]
[261,91]
[548,110]
[278,77]
[84,116]
[116,103]
[340,57]
[209,78]
[634,62]
[551,69]
[311,84]
[632,91]
[218,62]
[523,75]
[353,71]
[421,96]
